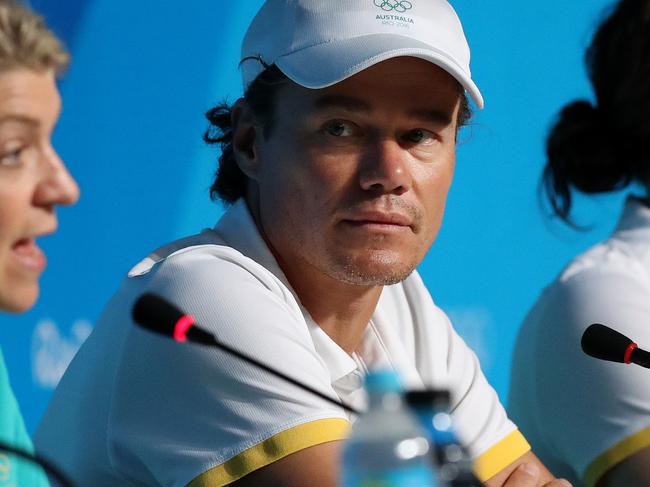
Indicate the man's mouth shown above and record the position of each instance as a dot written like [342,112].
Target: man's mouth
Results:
[380,219]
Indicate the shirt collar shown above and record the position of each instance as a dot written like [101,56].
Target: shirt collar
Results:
[238,230]
[340,364]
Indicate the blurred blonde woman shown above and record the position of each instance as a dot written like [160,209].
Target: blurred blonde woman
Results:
[33,181]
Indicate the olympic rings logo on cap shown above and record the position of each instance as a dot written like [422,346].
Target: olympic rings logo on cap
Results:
[400,6]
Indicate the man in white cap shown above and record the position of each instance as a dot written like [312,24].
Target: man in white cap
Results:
[336,163]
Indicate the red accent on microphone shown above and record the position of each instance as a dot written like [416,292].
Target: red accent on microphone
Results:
[183,324]
[627,357]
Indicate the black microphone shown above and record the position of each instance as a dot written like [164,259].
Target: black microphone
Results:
[604,343]
[158,315]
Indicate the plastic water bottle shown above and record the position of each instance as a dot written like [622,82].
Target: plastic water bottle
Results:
[387,446]
[432,408]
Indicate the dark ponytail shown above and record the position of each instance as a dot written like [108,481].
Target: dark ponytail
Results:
[603,147]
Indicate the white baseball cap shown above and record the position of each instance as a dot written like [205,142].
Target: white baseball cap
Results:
[318,43]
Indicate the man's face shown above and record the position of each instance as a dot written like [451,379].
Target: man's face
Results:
[353,178]
[32,181]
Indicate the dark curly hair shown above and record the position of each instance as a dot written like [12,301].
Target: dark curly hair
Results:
[602,147]
[230,182]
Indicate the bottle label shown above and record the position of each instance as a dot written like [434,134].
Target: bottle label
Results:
[408,477]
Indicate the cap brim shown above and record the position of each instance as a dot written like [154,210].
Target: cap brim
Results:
[329,63]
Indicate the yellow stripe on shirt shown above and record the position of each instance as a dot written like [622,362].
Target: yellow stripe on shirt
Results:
[615,455]
[272,449]
[501,455]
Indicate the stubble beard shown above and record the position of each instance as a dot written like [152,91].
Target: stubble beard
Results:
[350,272]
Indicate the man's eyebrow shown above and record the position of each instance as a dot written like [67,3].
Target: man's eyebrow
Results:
[353,104]
[348,103]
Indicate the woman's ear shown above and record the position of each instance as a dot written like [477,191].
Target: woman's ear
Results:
[244,138]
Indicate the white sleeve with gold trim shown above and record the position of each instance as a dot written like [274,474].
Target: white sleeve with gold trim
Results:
[184,412]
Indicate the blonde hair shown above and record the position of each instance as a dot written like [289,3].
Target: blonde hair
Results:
[25,40]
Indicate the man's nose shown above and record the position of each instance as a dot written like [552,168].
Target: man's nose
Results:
[385,169]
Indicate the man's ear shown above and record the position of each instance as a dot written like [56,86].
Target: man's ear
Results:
[245,133]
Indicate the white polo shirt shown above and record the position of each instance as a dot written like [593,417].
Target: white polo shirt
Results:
[135,408]
[583,415]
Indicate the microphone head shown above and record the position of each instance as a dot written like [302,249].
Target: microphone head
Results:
[156,314]
[602,342]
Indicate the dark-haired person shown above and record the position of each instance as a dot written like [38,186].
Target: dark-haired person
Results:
[336,164]
[590,420]
[33,180]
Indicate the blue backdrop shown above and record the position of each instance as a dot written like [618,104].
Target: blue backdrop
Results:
[144,73]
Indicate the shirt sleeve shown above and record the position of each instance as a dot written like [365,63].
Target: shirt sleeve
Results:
[445,360]
[592,413]
[186,414]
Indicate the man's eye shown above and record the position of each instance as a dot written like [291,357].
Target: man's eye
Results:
[339,128]
[419,136]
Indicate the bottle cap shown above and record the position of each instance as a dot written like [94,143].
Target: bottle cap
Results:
[383,380]
[428,398]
